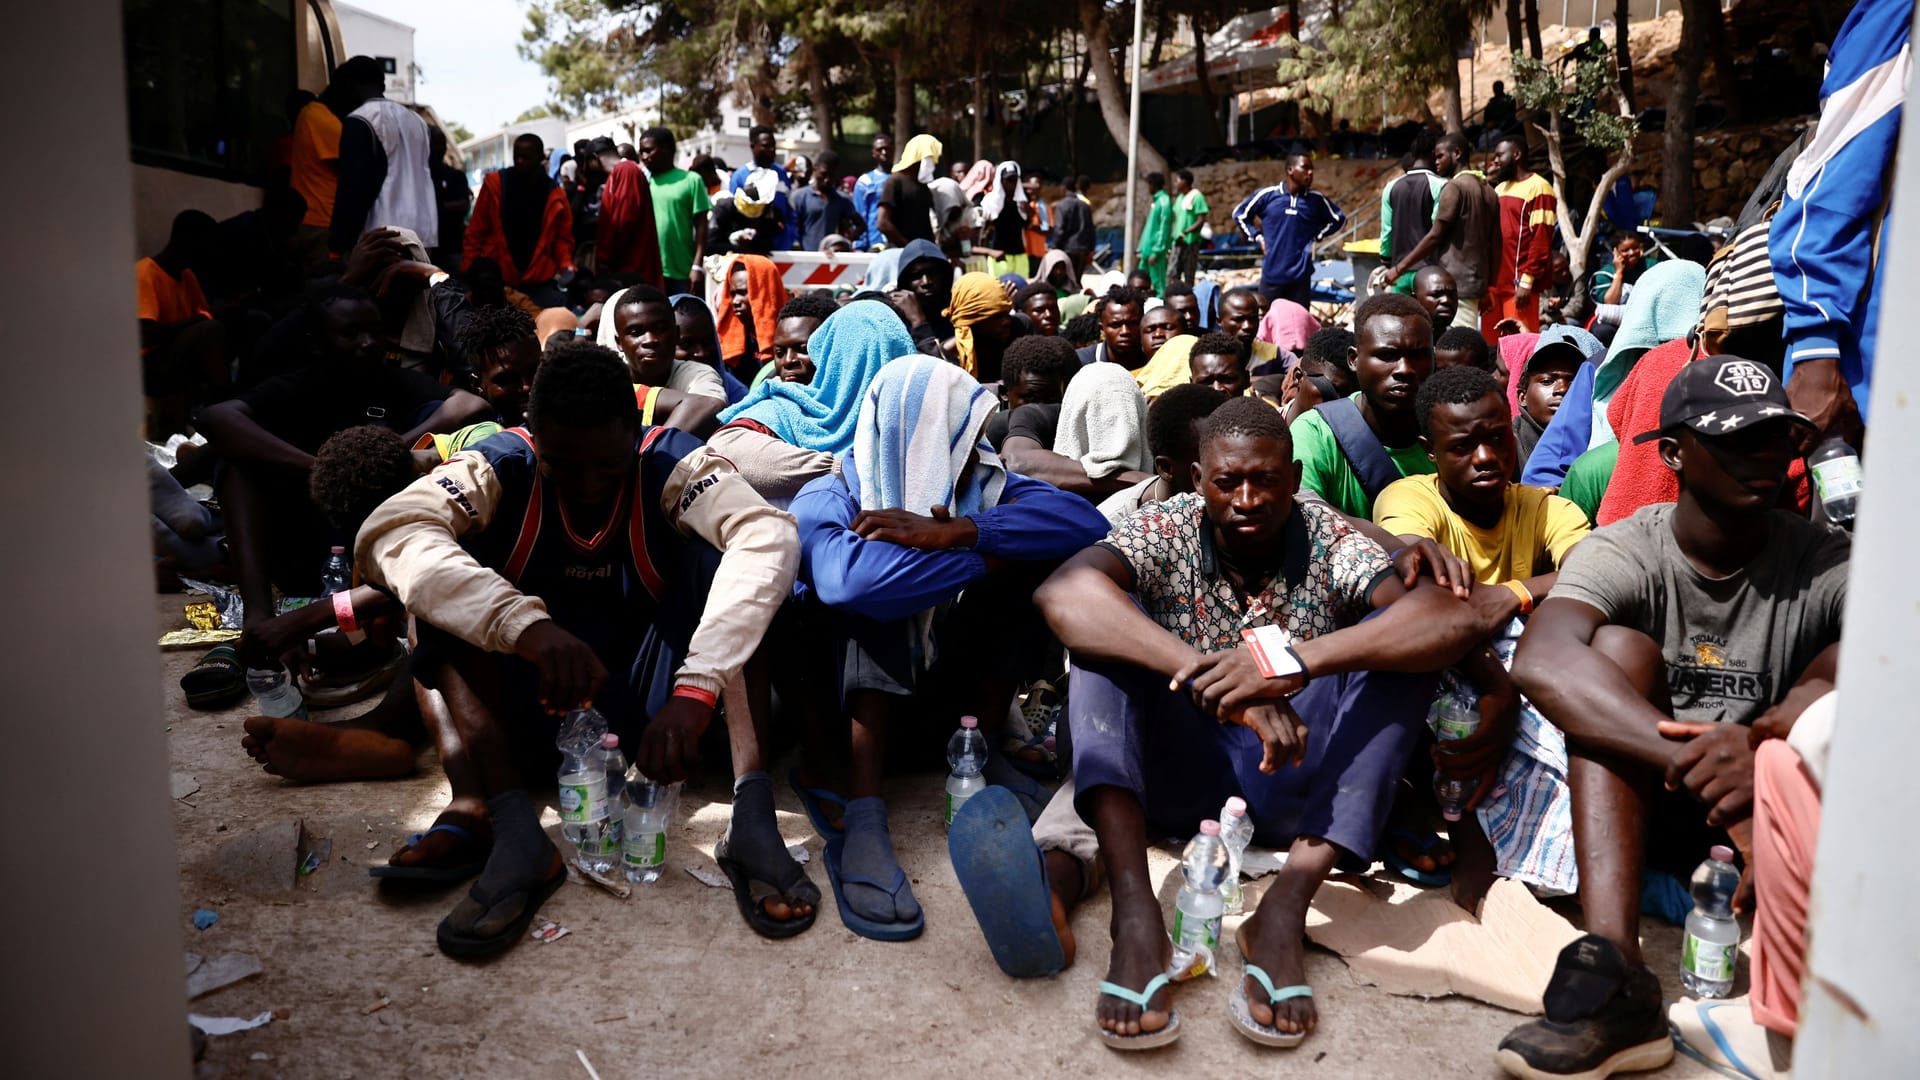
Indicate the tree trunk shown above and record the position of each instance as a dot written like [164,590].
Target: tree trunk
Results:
[1108,87]
[979,106]
[1516,31]
[1293,18]
[903,128]
[820,96]
[1206,86]
[1450,98]
[1531,11]
[1676,160]
[1622,50]
[1073,113]
[1720,51]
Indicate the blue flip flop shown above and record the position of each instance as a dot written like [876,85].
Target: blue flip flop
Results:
[439,875]
[1242,1010]
[811,799]
[1146,1040]
[1426,879]
[1005,878]
[856,922]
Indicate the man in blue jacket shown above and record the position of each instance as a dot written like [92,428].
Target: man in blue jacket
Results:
[1286,220]
[921,512]
[1825,239]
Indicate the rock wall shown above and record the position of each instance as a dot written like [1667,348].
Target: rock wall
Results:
[1727,164]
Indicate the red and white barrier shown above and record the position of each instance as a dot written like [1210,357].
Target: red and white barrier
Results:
[807,270]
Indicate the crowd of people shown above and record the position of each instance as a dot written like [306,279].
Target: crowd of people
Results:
[1169,544]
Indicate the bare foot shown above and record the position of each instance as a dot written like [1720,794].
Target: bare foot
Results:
[1473,871]
[1141,950]
[1066,884]
[449,848]
[820,780]
[1274,940]
[317,753]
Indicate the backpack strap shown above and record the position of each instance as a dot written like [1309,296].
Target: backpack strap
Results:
[1369,460]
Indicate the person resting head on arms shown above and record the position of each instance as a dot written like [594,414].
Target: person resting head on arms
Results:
[1092,444]
[1036,371]
[1218,362]
[1082,330]
[1174,422]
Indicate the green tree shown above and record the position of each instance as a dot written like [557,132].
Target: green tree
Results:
[1397,49]
[539,112]
[457,132]
[1599,114]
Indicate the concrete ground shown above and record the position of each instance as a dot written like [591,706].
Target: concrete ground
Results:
[672,982]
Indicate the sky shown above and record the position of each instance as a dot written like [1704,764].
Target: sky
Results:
[466,51]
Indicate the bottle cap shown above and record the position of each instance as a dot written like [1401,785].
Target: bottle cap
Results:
[969,721]
[339,549]
[1721,853]
[1237,806]
[610,741]
[1209,828]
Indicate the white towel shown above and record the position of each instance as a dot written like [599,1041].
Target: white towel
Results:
[1103,422]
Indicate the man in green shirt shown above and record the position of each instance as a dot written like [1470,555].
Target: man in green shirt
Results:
[680,207]
[1158,232]
[1190,212]
[1588,476]
[1351,448]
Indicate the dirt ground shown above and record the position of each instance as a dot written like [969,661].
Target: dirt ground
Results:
[672,982]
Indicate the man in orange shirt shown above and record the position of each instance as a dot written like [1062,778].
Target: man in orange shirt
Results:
[183,350]
[1528,211]
[315,167]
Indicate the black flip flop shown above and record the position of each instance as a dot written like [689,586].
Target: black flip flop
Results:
[466,947]
[750,908]
[439,875]
[217,681]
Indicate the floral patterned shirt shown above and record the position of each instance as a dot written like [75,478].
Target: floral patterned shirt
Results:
[1328,572]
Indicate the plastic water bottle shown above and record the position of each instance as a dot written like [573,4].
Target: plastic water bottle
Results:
[1453,719]
[1836,477]
[1713,937]
[1236,832]
[645,808]
[967,756]
[1197,910]
[586,817]
[337,574]
[275,694]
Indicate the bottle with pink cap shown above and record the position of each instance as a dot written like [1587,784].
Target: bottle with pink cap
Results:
[1198,907]
[1236,832]
[1712,942]
[967,758]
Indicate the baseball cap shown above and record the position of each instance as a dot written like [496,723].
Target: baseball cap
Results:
[1719,395]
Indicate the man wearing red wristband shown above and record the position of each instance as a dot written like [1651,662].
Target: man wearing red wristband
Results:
[586,544]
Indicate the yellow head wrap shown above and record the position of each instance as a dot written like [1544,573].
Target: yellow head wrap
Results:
[977,297]
[921,147]
[1169,367]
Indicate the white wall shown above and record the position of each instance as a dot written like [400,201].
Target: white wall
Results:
[367,34]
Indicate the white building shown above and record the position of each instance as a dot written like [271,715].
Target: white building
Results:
[365,34]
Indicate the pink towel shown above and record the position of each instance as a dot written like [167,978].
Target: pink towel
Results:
[1514,351]
[1640,478]
[1288,325]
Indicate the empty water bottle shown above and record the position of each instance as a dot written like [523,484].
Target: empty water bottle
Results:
[967,756]
[1236,832]
[1713,936]
[337,574]
[1836,476]
[645,809]
[275,694]
[1198,907]
[586,817]
[1453,718]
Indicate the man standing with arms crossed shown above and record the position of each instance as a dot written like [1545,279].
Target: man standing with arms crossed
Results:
[1528,211]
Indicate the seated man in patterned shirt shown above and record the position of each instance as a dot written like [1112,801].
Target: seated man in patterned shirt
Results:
[1225,643]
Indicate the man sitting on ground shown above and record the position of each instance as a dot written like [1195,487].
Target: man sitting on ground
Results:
[1433,287]
[1035,371]
[1181,298]
[1351,448]
[922,513]
[684,569]
[799,317]
[1120,312]
[1462,346]
[1667,634]
[1324,373]
[1218,362]
[1241,310]
[648,334]
[183,349]
[1041,305]
[1164,601]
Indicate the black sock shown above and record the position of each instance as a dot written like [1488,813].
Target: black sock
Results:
[521,850]
[753,837]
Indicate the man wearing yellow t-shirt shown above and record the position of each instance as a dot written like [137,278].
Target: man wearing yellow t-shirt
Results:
[1514,537]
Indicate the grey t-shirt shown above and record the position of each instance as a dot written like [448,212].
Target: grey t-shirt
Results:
[1733,646]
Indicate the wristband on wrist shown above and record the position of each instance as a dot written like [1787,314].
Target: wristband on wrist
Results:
[1526,598]
[1274,654]
[704,697]
[343,612]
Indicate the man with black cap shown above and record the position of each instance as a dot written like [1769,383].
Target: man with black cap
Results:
[1667,635]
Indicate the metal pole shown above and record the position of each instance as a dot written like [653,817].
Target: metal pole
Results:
[1133,138]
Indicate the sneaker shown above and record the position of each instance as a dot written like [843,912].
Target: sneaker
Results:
[1603,1017]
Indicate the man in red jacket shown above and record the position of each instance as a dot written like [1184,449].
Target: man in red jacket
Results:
[1528,211]
[628,246]
[522,221]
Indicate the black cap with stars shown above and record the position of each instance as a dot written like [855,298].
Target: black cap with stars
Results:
[1719,395]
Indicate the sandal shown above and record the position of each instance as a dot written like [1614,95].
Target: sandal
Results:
[1004,875]
[1146,1040]
[752,902]
[854,921]
[469,858]
[1242,1010]
[1424,843]
[219,680]
[813,800]
[463,946]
